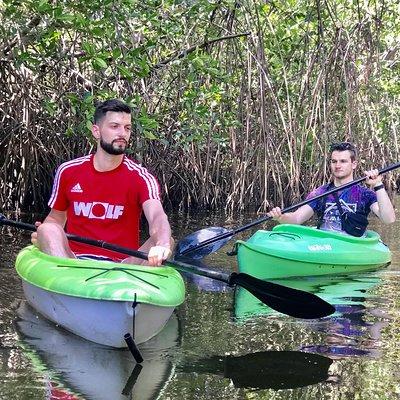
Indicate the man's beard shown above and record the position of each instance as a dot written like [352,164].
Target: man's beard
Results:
[110,149]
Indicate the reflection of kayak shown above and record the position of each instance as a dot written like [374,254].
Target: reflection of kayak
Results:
[72,364]
[267,369]
[95,299]
[296,250]
[333,289]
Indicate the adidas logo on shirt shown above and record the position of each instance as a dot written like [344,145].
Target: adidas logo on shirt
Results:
[77,189]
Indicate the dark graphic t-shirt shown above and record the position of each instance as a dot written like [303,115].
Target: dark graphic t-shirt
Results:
[356,198]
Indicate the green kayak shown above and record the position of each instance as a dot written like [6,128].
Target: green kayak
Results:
[296,250]
[100,300]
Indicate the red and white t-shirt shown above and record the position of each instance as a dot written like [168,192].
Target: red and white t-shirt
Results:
[103,205]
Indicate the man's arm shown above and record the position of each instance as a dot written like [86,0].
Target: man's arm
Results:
[50,236]
[159,230]
[301,215]
[383,207]
[56,217]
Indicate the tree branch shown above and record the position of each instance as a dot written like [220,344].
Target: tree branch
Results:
[186,52]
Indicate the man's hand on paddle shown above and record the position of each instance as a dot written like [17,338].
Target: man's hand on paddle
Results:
[34,234]
[157,254]
[374,179]
[275,213]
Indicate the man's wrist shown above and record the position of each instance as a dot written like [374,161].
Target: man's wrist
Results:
[166,246]
[379,187]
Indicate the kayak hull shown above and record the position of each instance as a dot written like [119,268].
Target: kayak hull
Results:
[295,250]
[100,321]
[100,301]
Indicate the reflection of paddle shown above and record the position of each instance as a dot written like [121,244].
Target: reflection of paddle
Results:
[267,369]
[127,390]
[337,290]
[288,301]
[208,240]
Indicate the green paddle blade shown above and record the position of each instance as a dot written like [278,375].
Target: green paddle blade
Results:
[293,302]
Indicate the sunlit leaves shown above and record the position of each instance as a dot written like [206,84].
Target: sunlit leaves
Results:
[306,73]
[147,125]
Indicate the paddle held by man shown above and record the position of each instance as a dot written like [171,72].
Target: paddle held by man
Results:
[356,199]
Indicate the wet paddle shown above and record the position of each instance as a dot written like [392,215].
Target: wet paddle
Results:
[293,302]
[208,240]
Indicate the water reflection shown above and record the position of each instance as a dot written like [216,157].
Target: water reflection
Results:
[204,284]
[334,289]
[267,369]
[75,367]
[354,329]
[214,324]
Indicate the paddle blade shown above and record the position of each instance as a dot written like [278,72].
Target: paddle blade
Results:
[198,237]
[293,302]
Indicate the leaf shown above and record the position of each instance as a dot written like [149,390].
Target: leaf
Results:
[88,98]
[148,122]
[116,53]
[43,7]
[124,71]
[89,125]
[99,63]
[88,48]
[149,135]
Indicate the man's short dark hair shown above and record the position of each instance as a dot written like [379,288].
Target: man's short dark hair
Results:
[343,146]
[110,105]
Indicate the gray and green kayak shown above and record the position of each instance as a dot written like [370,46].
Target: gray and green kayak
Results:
[99,300]
[296,250]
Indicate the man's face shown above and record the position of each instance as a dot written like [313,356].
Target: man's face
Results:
[113,132]
[341,164]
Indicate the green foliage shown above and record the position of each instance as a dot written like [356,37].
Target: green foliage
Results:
[242,97]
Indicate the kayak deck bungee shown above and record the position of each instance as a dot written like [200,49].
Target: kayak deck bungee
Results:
[296,250]
[98,299]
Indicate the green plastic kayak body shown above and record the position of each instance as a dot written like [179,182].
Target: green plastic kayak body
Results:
[296,250]
[101,280]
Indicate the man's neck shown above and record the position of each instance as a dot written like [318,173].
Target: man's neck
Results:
[106,162]
[341,181]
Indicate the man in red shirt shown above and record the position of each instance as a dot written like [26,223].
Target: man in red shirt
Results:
[102,196]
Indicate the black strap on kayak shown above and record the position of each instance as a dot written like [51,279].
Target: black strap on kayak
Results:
[130,339]
[122,269]
[134,304]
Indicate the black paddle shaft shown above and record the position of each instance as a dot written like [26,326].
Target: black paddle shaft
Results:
[293,302]
[210,273]
[285,210]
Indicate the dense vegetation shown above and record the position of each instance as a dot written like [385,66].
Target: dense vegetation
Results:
[236,102]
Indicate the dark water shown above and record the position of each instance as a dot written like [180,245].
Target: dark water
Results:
[220,344]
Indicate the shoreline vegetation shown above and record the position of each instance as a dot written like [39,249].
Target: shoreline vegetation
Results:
[235,103]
